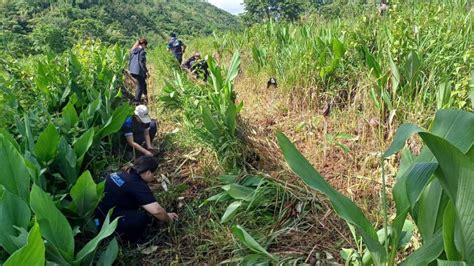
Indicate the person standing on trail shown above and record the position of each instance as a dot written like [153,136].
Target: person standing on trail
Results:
[139,131]
[128,194]
[137,68]
[177,47]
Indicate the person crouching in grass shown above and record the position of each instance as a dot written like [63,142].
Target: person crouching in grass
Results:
[139,131]
[131,199]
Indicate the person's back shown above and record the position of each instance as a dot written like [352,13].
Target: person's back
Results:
[124,191]
[135,63]
[128,195]
[177,47]
[188,64]
[137,68]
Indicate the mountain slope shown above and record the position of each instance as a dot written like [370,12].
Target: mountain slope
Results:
[29,27]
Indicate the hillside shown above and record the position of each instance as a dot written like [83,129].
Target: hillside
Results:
[41,26]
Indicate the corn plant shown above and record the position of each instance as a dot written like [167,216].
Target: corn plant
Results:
[435,188]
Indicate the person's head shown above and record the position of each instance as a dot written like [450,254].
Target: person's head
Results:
[173,34]
[197,55]
[141,113]
[146,166]
[142,42]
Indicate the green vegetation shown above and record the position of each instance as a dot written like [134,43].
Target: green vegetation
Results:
[348,77]
[33,27]
[435,187]
[61,125]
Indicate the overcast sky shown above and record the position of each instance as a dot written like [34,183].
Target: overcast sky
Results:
[232,6]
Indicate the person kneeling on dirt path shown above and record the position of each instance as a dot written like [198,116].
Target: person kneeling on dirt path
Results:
[197,66]
[140,130]
[128,194]
[177,47]
[137,68]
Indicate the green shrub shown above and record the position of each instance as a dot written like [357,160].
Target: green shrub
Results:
[436,188]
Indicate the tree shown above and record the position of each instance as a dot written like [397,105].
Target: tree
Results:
[259,10]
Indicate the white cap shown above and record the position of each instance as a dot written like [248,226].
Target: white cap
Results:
[142,112]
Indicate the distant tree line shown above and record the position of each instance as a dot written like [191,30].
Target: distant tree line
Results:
[262,10]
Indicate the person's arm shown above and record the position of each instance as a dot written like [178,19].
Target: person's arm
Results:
[159,212]
[137,146]
[184,47]
[146,133]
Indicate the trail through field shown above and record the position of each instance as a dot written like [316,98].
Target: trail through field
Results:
[186,179]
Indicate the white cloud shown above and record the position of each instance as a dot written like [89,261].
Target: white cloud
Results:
[232,6]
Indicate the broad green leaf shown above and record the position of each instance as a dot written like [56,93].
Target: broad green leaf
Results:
[430,210]
[343,206]
[418,178]
[106,230]
[412,66]
[444,125]
[89,113]
[443,94]
[82,145]
[109,255]
[457,180]
[14,174]
[373,64]
[70,116]
[404,132]
[216,75]
[449,225]
[231,118]
[233,70]
[230,211]
[451,263]
[66,160]
[401,232]
[115,122]
[239,192]
[14,212]
[84,195]
[407,233]
[338,48]
[210,123]
[428,252]
[32,254]
[53,224]
[228,179]
[251,181]
[46,146]
[10,138]
[249,242]
[456,126]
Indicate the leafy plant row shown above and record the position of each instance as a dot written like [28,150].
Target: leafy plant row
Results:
[50,149]
[210,111]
